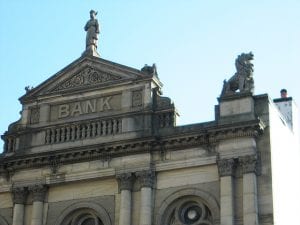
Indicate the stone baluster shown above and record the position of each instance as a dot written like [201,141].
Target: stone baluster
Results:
[88,130]
[110,127]
[125,184]
[99,128]
[48,136]
[114,128]
[104,128]
[119,126]
[83,133]
[68,133]
[73,132]
[62,134]
[6,145]
[77,132]
[94,129]
[57,139]
[52,135]
[226,169]
[19,198]
[250,209]
[9,144]
[38,195]
[146,179]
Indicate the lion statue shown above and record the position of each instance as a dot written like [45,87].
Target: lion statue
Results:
[242,80]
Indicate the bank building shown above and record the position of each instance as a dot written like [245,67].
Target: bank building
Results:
[98,144]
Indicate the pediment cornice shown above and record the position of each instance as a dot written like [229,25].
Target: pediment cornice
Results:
[84,74]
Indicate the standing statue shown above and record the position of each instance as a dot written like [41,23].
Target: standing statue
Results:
[92,31]
[242,80]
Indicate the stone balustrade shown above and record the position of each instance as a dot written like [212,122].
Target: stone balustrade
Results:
[166,119]
[9,144]
[91,129]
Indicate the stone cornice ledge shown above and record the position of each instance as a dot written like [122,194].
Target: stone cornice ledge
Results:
[179,164]
[62,178]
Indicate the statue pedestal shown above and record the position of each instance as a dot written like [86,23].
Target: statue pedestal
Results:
[236,107]
[91,51]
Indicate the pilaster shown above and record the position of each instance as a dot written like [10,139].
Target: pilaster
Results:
[226,170]
[38,195]
[146,178]
[19,195]
[250,208]
[125,184]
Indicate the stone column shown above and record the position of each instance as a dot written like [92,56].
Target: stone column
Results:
[125,183]
[38,196]
[19,199]
[226,169]
[250,210]
[146,178]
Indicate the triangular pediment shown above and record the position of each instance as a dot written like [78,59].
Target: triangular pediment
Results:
[83,74]
[88,76]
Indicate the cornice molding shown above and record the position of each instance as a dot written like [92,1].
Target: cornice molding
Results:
[179,139]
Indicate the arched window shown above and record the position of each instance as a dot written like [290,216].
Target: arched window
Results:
[189,207]
[188,210]
[84,213]
[82,217]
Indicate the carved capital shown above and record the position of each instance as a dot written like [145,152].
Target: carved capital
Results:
[226,167]
[146,178]
[19,195]
[248,163]
[38,192]
[125,181]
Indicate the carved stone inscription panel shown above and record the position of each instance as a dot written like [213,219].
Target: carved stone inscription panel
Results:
[86,106]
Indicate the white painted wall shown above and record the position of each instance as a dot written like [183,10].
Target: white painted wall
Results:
[285,153]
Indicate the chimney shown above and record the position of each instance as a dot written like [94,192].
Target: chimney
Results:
[288,108]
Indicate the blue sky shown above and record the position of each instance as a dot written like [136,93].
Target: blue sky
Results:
[194,44]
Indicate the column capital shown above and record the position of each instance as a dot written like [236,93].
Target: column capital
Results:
[125,181]
[146,177]
[38,192]
[248,163]
[19,195]
[226,167]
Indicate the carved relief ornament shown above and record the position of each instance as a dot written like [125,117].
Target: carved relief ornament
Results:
[38,192]
[248,163]
[88,76]
[125,181]
[226,167]
[19,195]
[146,178]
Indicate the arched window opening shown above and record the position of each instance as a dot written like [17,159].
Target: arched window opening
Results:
[188,210]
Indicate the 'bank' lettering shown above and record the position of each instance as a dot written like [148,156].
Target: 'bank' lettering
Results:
[104,105]
[63,111]
[84,107]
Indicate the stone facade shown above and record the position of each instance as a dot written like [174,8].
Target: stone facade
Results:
[97,144]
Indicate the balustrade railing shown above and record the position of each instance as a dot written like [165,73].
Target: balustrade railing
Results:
[72,132]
